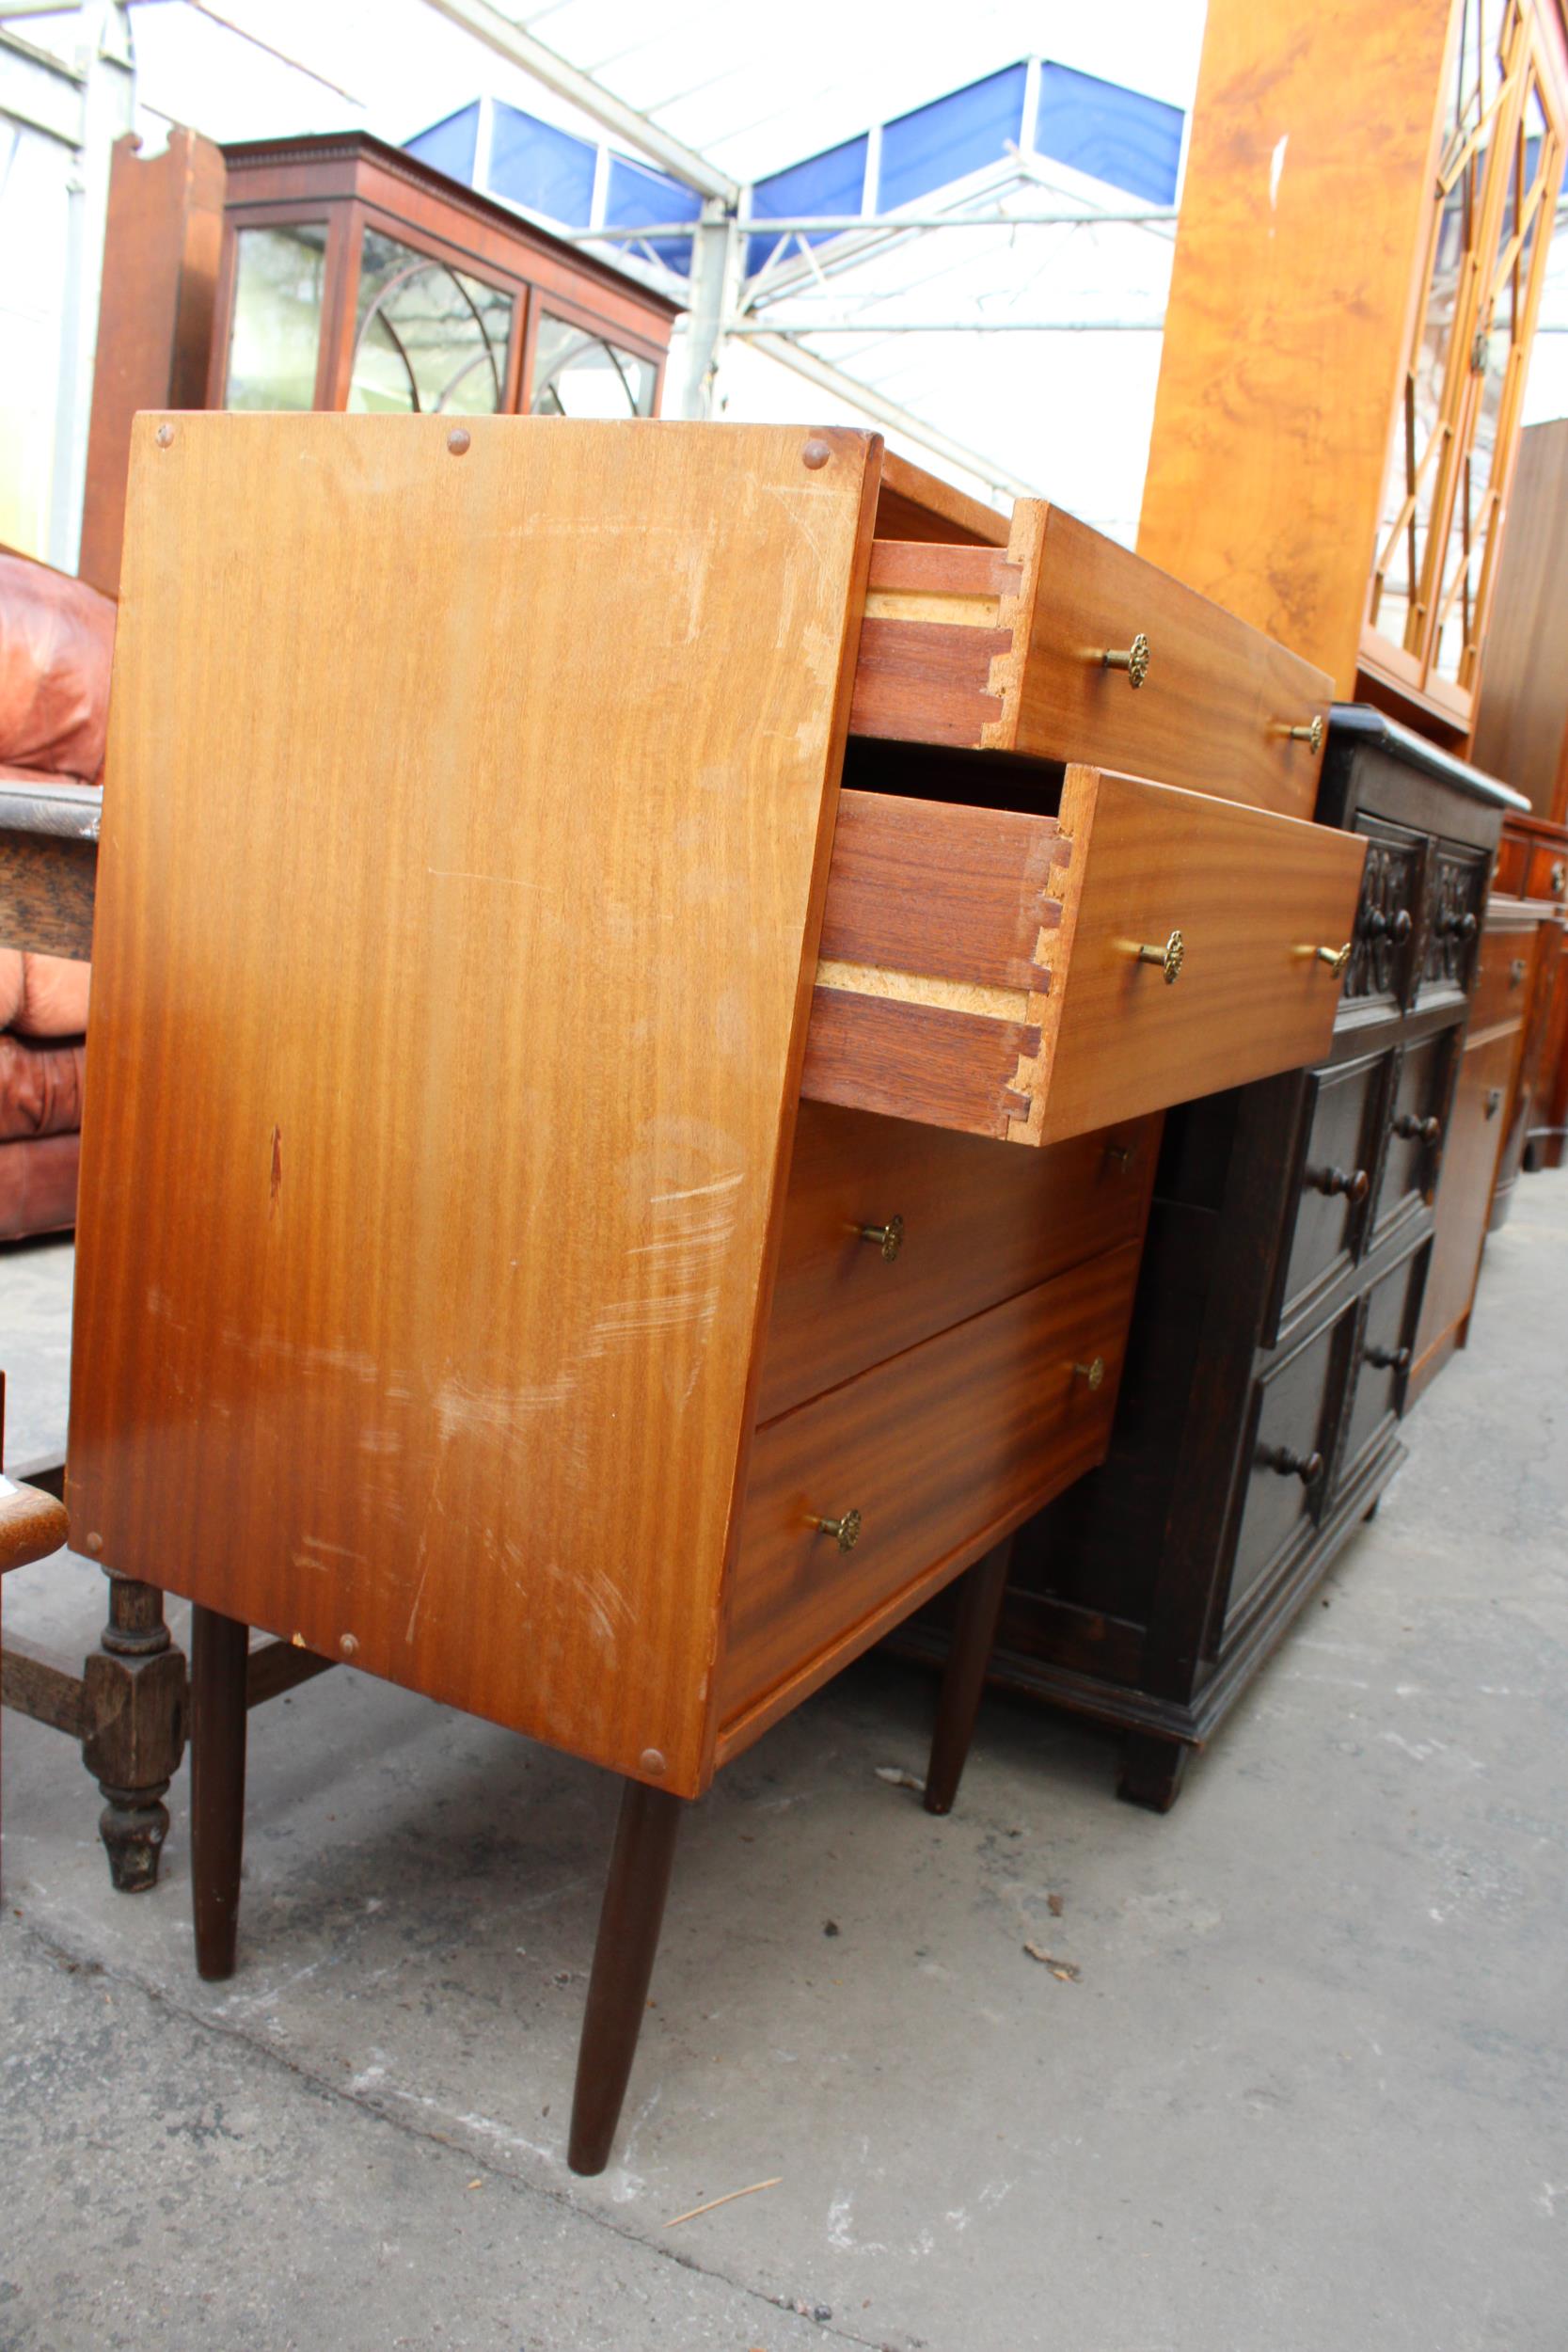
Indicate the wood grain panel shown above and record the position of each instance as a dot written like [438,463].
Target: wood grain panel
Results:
[1522,714]
[456,926]
[927,681]
[913,504]
[924,887]
[1214,711]
[1471,1150]
[979,1226]
[1303,223]
[1253,895]
[1504,965]
[940,1451]
[922,1061]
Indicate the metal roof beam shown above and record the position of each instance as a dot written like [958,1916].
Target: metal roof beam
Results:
[839,223]
[509,41]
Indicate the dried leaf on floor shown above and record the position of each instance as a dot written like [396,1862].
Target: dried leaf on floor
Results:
[896,1777]
[1065,1971]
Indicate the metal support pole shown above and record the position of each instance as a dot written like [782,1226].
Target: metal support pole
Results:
[104,65]
[716,256]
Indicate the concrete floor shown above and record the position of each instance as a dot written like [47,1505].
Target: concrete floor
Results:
[1308,2092]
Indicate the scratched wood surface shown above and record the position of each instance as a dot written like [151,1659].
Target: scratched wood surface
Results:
[456,923]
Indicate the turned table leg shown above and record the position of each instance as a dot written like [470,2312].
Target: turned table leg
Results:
[963,1679]
[133,1729]
[1151,1769]
[629,1923]
[218,1650]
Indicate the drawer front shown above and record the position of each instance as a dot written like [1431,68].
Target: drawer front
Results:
[1173,945]
[1384,1347]
[1471,1154]
[1383,956]
[1413,1147]
[1502,975]
[944,1444]
[894,1231]
[1293,1421]
[1546,872]
[960,646]
[1335,1180]
[1454,916]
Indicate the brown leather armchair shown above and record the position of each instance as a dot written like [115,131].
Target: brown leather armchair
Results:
[57,639]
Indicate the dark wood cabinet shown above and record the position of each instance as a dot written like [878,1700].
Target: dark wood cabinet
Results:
[1274,1335]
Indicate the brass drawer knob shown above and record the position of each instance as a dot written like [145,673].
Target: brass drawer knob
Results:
[1354,1183]
[889,1238]
[1092,1372]
[1388,1359]
[1313,735]
[1134,661]
[1121,1156]
[1336,959]
[846,1532]
[1414,1130]
[1287,1463]
[1169,958]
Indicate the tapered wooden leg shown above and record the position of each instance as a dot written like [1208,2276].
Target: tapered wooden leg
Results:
[629,1923]
[218,1647]
[974,1631]
[1151,1770]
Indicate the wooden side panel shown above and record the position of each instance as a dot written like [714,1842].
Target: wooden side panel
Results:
[940,1451]
[927,681]
[1303,215]
[1253,895]
[1522,715]
[1471,1149]
[907,1059]
[978,1226]
[924,887]
[162,243]
[913,504]
[457,915]
[1214,711]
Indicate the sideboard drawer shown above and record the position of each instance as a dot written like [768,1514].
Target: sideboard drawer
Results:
[894,1231]
[1384,1349]
[1033,978]
[1334,1182]
[1008,651]
[947,1445]
[1503,976]
[1413,1147]
[1286,1464]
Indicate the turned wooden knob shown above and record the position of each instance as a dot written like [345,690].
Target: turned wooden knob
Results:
[1354,1182]
[1287,1463]
[1416,1130]
[1388,1359]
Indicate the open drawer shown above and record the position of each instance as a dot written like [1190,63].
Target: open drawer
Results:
[1031,977]
[1065,646]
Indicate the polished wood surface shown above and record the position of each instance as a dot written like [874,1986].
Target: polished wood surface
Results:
[978,1226]
[162,240]
[641,1865]
[32,1525]
[941,1450]
[921,886]
[963,649]
[1522,714]
[218,1647]
[924,1029]
[438,1380]
[963,1680]
[915,505]
[1214,711]
[1254,896]
[1472,1147]
[1303,225]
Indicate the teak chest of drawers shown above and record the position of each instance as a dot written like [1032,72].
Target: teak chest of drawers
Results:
[732,1235]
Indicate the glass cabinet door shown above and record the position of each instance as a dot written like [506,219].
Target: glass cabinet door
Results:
[279,289]
[428,338]
[578,373]
[1499,165]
